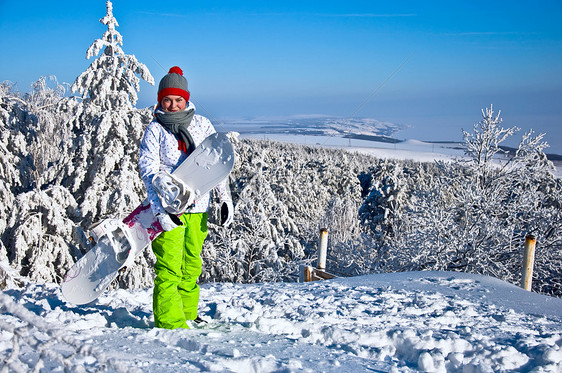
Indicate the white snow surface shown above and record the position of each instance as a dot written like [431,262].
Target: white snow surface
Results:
[400,322]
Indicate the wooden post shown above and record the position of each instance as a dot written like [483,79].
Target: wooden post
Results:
[528,262]
[322,249]
[305,274]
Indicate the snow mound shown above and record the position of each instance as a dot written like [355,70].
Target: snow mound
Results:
[414,142]
[428,321]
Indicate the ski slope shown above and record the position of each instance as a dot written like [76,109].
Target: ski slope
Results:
[401,322]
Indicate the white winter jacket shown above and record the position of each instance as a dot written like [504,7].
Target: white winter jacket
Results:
[159,150]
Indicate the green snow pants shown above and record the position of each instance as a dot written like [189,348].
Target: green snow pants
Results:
[178,266]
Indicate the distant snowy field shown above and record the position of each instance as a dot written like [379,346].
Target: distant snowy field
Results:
[367,136]
[417,321]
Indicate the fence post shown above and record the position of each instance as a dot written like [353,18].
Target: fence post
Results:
[528,262]
[322,249]
[305,273]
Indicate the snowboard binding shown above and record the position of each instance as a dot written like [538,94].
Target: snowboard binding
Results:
[113,233]
[176,196]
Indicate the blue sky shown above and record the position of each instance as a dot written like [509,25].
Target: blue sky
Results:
[446,60]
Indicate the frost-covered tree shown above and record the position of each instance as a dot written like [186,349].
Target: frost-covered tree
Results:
[37,227]
[475,215]
[12,150]
[386,187]
[82,151]
[342,218]
[102,173]
[284,193]
[111,81]
[261,245]
[351,252]
[49,131]
[44,225]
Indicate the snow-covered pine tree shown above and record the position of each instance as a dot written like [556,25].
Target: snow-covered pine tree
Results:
[75,162]
[111,81]
[103,172]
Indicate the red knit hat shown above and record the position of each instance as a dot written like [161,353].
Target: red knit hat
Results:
[173,83]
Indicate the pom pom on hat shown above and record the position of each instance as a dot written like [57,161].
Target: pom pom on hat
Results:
[175,70]
[173,83]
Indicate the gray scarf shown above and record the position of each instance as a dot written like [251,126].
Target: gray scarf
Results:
[177,123]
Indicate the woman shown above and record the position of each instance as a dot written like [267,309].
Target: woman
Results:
[167,141]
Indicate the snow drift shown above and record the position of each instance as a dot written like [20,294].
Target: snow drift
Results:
[417,321]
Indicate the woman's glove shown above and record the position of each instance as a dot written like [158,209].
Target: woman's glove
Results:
[168,221]
[227,213]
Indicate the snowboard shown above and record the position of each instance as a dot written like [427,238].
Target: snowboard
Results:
[118,242]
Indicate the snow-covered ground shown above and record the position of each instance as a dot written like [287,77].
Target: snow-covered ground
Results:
[426,321]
